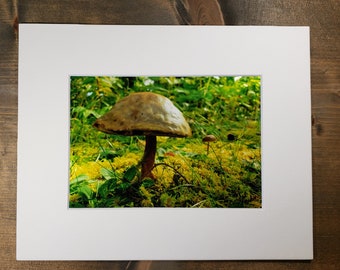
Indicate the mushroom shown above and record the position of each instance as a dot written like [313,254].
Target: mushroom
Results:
[147,114]
[208,139]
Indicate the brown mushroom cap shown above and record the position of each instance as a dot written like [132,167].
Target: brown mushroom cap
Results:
[209,138]
[144,113]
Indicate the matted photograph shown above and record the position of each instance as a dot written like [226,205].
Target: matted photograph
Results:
[165,141]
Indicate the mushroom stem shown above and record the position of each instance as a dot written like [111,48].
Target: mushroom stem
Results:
[208,139]
[148,160]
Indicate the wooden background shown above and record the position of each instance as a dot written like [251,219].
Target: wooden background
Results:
[323,16]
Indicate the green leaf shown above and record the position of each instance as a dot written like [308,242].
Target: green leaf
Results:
[105,188]
[130,174]
[86,192]
[148,183]
[124,186]
[108,174]
[79,179]
[78,182]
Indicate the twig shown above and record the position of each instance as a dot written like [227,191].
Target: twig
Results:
[176,171]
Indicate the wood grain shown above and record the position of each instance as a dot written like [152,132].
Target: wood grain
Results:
[324,20]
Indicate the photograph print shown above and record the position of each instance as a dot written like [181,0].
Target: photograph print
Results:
[184,142]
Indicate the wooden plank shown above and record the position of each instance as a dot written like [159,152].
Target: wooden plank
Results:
[97,12]
[322,16]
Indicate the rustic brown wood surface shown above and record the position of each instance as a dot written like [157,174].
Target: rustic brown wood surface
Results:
[322,16]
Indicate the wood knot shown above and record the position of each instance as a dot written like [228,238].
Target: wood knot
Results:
[199,12]
[16,25]
[318,126]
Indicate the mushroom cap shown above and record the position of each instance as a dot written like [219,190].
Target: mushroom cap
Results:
[209,138]
[144,113]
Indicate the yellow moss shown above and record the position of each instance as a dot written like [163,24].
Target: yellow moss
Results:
[145,193]
[74,197]
[147,203]
[164,174]
[91,169]
[115,144]
[82,151]
[94,186]
[197,148]
[162,139]
[245,154]
[120,164]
